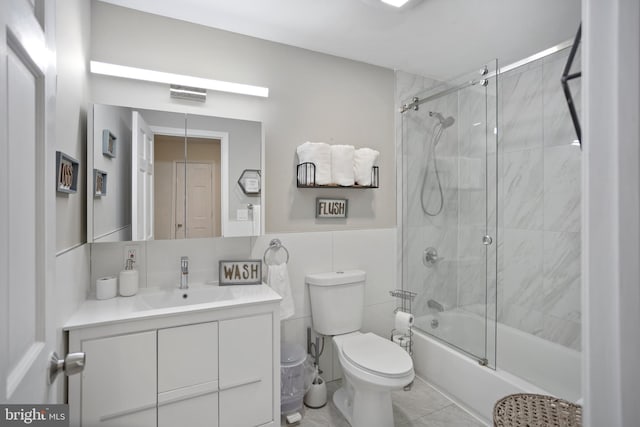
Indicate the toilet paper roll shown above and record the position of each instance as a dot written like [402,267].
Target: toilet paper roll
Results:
[403,341]
[106,287]
[403,322]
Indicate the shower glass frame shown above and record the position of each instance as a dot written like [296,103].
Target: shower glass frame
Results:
[467,147]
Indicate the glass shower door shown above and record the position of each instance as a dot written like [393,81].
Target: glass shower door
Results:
[449,211]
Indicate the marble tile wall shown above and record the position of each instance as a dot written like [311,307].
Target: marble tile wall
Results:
[525,190]
[540,200]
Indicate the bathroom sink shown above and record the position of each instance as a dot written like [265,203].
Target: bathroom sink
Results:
[182,297]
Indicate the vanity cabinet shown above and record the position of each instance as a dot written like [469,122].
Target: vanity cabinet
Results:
[124,396]
[217,368]
[188,375]
[246,373]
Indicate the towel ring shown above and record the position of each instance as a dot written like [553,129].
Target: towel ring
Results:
[275,245]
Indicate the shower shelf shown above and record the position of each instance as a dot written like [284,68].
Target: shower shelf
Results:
[306,178]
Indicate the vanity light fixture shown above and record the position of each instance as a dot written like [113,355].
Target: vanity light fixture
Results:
[186,82]
[396,3]
[189,93]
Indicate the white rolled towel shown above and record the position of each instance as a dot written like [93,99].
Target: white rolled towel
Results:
[342,165]
[318,153]
[363,161]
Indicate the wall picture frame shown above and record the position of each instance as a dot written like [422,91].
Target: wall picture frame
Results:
[108,143]
[99,183]
[331,208]
[250,182]
[67,169]
[240,272]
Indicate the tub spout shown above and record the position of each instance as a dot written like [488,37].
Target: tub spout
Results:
[435,305]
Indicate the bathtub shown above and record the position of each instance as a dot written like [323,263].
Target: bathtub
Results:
[522,358]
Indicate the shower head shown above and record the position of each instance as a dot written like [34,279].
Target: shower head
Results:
[444,122]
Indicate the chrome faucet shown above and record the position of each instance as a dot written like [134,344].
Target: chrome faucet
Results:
[184,273]
[435,305]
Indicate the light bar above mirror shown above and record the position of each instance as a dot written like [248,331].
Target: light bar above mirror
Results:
[123,71]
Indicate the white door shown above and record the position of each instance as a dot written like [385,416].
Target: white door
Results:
[141,179]
[27,201]
[199,200]
[198,219]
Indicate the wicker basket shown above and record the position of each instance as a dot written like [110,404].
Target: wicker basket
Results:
[535,410]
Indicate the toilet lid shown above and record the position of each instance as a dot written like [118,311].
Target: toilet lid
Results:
[377,355]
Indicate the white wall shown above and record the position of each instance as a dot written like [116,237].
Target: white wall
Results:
[611,212]
[313,97]
[72,260]
[111,218]
[73,41]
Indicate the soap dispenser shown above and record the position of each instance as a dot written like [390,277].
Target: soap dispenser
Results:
[128,279]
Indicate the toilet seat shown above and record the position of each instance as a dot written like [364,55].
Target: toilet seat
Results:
[377,355]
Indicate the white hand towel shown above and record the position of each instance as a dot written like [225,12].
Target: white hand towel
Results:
[363,161]
[342,165]
[278,279]
[318,153]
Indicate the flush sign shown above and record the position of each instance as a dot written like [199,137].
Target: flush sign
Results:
[331,208]
[242,272]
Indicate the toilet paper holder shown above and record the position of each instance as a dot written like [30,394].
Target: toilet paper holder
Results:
[403,338]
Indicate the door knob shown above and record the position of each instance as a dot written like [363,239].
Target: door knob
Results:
[73,363]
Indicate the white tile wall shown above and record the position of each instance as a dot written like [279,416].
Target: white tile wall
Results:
[159,260]
[72,275]
[374,251]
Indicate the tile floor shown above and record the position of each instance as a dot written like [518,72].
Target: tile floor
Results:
[422,406]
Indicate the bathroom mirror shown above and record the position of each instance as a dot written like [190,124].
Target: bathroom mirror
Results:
[168,175]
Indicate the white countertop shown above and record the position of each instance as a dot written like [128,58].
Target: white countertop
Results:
[94,312]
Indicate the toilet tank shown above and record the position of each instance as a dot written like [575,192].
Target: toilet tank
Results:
[337,301]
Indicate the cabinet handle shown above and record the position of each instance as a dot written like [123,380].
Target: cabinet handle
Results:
[173,396]
[127,412]
[240,383]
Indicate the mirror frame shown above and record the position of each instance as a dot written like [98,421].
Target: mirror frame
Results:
[229,228]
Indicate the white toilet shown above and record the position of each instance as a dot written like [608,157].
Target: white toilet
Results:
[372,366]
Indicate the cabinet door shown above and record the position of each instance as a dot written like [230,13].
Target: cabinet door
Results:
[200,411]
[187,356]
[246,371]
[119,381]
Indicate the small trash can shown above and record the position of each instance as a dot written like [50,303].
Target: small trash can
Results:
[292,377]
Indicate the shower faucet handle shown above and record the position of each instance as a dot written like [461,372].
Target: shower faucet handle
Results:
[430,257]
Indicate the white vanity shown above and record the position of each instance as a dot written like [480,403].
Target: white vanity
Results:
[206,356]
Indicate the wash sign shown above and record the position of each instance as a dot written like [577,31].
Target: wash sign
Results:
[242,272]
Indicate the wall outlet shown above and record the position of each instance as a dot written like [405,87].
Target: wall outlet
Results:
[131,252]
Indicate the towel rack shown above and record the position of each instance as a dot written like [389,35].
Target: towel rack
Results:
[275,245]
[306,178]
